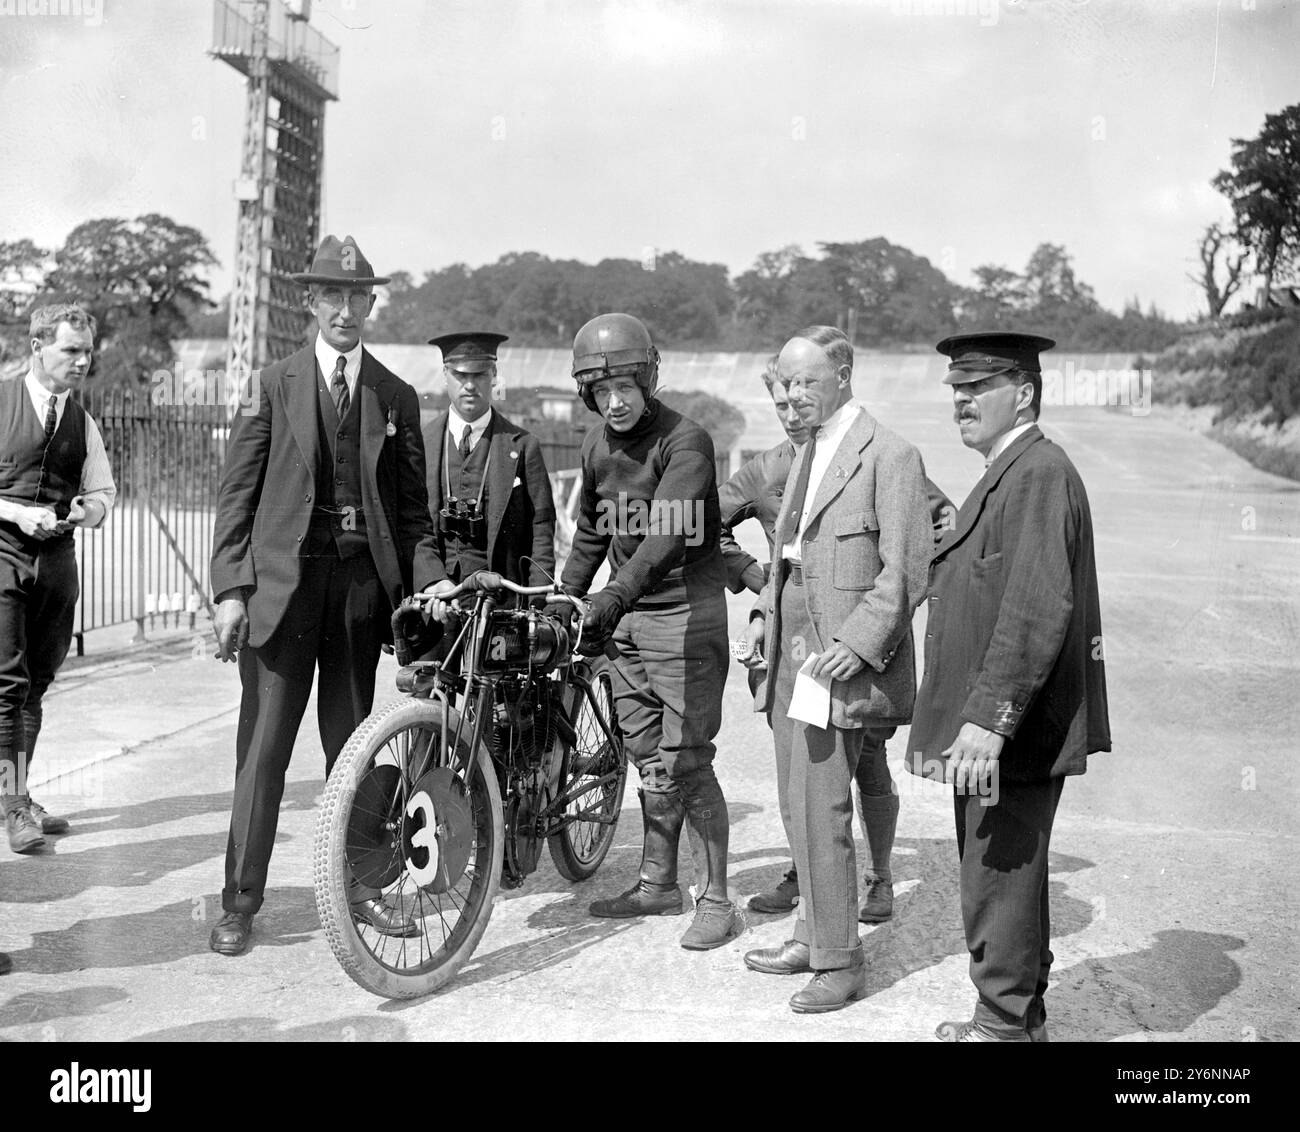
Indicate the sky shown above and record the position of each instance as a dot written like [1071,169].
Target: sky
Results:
[969,131]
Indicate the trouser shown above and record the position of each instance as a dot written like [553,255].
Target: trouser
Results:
[38,594]
[336,620]
[668,683]
[1004,906]
[815,769]
[877,799]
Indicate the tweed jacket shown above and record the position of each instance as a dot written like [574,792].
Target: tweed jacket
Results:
[866,548]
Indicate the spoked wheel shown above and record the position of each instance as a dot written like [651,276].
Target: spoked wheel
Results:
[410,823]
[593,772]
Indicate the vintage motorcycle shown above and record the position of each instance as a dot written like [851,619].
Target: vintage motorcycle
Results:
[507,742]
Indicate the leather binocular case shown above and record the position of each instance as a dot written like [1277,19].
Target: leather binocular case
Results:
[462,518]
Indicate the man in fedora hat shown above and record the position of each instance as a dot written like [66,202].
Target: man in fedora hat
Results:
[322,526]
[488,486]
[1014,693]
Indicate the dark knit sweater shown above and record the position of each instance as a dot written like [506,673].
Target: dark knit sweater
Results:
[649,502]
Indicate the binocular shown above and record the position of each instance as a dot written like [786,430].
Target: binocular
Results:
[463,519]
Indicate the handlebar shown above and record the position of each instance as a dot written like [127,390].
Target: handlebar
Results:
[489,581]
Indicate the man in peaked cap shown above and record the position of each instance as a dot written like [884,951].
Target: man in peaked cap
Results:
[322,526]
[1013,698]
[488,486]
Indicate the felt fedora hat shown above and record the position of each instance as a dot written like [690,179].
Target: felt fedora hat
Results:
[340,261]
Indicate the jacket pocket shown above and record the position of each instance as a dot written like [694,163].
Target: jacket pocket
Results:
[857,550]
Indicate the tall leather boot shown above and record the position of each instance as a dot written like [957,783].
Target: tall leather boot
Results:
[708,828]
[655,892]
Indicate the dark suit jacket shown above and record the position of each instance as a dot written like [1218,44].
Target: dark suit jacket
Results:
[269,484]
[520,510]
[755,492]
[865,550]
[1013,641]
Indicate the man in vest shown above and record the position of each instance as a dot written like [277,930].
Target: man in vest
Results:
[54,476]
[322,526]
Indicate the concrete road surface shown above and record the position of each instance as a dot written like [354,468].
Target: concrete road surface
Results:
[1173,864]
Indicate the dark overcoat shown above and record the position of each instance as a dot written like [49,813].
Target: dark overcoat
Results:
[268,488]
[520,509]
[1013,637]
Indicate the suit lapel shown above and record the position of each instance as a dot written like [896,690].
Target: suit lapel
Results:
[377,395]
[433,460]
[846,461]
[970,510]
[300,392]
[503,458]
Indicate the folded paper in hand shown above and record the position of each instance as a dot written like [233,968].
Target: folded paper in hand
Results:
[811,699]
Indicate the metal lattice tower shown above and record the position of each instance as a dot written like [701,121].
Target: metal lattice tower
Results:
[292,72]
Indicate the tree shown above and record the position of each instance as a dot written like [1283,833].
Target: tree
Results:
[1263,187]
[22,273]
[888,293]
[996,301]
[1050,284]
[784,291]
[141,279]
[1213,241]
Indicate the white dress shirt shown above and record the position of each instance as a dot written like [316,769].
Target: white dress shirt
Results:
[828,436]
[456,426]
[1005,441]
[327,358]
[96,474]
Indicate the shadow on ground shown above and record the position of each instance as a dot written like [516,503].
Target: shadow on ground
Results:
[1161,989]
[355,1028]
[50,876]
[163,935]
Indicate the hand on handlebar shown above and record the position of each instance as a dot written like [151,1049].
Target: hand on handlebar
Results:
[605,612]
[443,600]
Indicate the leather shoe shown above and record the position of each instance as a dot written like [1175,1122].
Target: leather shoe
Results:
[47,821]
[779,899]
[791,958]
[879,904]
[230,936]
[385,920]
[642,899]
[24,833]
[972,1031]
[832,990]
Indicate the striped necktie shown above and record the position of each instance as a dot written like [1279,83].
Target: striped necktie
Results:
[51,419]
[341,398]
